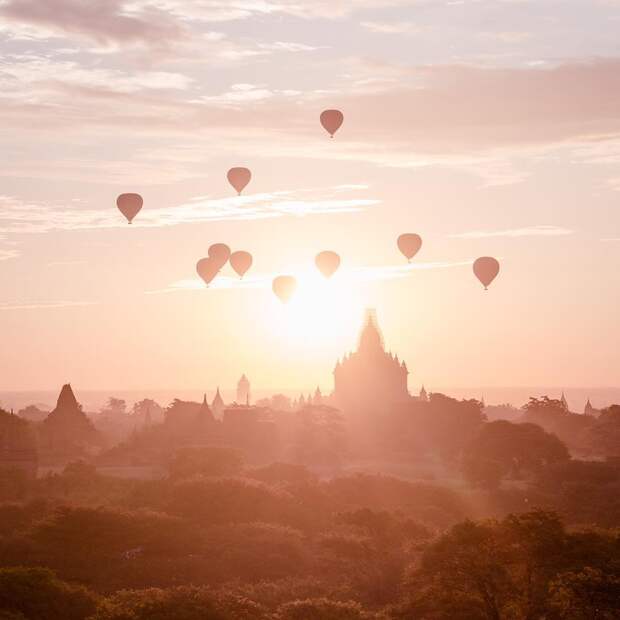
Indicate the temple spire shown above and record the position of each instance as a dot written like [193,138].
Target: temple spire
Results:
[218,405]
[371,339]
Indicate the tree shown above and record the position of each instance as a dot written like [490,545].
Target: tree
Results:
[605,432]
[208,461]
[18,456]
[554,417]
[544,404]
[282,472]
[502,412]
[147,411]
[35,593]
[321,439]
[535,544]
[586,594]
[321,609]
[452,423]
[277,402]
[526,566]
[116,406]
[182,603]
[502,448]
[483,472]
[33,413]
[466,570]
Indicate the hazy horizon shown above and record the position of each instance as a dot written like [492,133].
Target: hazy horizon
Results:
[95,399]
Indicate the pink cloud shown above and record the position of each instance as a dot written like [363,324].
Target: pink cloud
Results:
[471,118]
[103,21]
[434,109]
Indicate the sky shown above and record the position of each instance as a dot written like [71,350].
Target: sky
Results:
[490,128]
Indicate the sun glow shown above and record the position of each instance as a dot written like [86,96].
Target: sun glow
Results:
[322,313]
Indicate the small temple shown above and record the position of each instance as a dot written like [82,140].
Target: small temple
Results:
[243,391]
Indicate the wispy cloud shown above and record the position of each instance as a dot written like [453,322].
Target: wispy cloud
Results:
[575,103]
[225,10]
[6,254]
[17,216]
[65,263]
[244,93]
[614,183]
[34,75]
[528,231]
[508,36]
[400,27]
[104,21]
[352,275]
[45,305]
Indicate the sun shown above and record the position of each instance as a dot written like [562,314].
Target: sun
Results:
[322,312]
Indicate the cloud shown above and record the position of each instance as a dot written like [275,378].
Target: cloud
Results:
[244,93]
[508,36]
[65,263]
[155,23]
[18,73]
[529,231]
[351,275]
[470,118]
[438,109]
[7,254]
[104,21]
[227,10]
[287,46]
[399,27]
[17,216]
[614,183]
[45,305]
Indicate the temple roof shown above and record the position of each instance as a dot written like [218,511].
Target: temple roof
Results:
[204,407]
[66,398]
[371,338]
[218,401]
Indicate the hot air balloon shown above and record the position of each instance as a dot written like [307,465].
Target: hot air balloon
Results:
[486,269]
[219,253]
[331,121]
[327,263]
[241,261]
[284,287]
[129,205]
[207,269]
[239,178]
[409,244]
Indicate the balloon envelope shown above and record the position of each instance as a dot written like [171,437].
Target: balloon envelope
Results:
[409,244]
[486,269]
[219,254]
[239,178]
[331,121]
[284,287]
[207,269]
[129,205]
[241,262]
[327,263]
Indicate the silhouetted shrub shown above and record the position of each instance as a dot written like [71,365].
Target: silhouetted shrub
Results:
[205,461]
[37,594]
[321,609]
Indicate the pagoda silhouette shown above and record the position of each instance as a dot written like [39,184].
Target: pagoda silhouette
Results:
[370,379]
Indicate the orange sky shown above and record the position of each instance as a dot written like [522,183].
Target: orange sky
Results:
[489,128]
